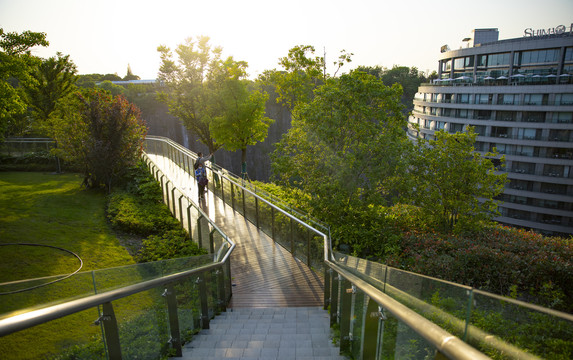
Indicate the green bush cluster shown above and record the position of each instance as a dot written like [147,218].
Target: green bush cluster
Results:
[499,259]
[138,209]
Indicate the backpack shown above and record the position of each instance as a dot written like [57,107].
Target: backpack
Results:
[203,181]
[196,165]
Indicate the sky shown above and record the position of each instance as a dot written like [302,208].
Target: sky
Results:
[105,36]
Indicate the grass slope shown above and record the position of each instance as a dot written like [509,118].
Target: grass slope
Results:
[53,210]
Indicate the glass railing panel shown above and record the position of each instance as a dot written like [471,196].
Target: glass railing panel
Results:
[499,326]
[188,308]
[317,252]
[373,272]
[250,207]
[71,337]
[399,341]
[41,294]
[301,238]
[282,230]
[115,278]
[444,303]
[143,325]
[357,323]
[266,218]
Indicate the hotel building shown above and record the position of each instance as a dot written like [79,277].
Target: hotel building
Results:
[518,96]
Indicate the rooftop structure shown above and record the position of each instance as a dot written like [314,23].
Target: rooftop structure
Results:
[518,96]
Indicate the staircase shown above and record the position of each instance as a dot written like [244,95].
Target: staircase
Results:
[265,333]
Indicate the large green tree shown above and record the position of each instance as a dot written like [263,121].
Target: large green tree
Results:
[453,184]
[302,72]
[240,118]
[345,147]
[15,65]
[187,91]
[101,134]
[50,81]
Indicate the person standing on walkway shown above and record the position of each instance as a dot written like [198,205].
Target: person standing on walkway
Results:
[202,181]
[201,160]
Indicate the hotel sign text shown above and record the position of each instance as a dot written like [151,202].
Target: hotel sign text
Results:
[558,30]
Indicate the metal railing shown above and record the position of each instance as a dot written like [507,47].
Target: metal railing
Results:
[378,311]
[141,311]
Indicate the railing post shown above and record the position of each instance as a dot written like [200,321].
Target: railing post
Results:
[204,301]
[223,189]
[327,276]
[257,212]
[334,299]
[345,314]
[199,234]
[244,206]
[308,237]
[273,223]
[168,201]
[212,241]
[189,221]
[221,286]
[181,208]
[174,212]
[233,195]
[111,332]
[173,319]
[292,238]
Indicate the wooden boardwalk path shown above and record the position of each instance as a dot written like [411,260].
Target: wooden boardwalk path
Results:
[263,273]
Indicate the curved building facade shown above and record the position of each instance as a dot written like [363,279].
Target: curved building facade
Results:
[518,96]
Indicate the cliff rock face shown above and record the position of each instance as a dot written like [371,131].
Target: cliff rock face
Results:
[161,123]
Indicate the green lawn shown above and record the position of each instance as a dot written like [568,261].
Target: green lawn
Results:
[53,210]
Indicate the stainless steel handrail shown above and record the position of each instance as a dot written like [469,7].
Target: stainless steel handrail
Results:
[448,344]
[36,317]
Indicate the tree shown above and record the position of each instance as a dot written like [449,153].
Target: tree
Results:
[129,76]
[51,80]
[409,78]
[346,145]
[240,119]
[102,134]
[188,96]
[15,63]
[303,73]
[455,185]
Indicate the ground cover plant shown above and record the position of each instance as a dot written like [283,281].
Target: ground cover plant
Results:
[53,210]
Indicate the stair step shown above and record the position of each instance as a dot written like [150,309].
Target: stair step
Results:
[265,333]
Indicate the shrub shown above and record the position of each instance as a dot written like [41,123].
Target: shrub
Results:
[496,259]
[169,245]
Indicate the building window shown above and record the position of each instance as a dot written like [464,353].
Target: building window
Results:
[454,128]
[563,117]
[497,59]
[523,167]
[569,54]
[484,99]
[525,150]
[535,99]
[505,115]
[480,130]
[564,99]
[462,113]
[506,99]
[497,131]
[560,135]
[482,114]
[539,56]
[533,116]
[463,98]
[528,134]
[553,170]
